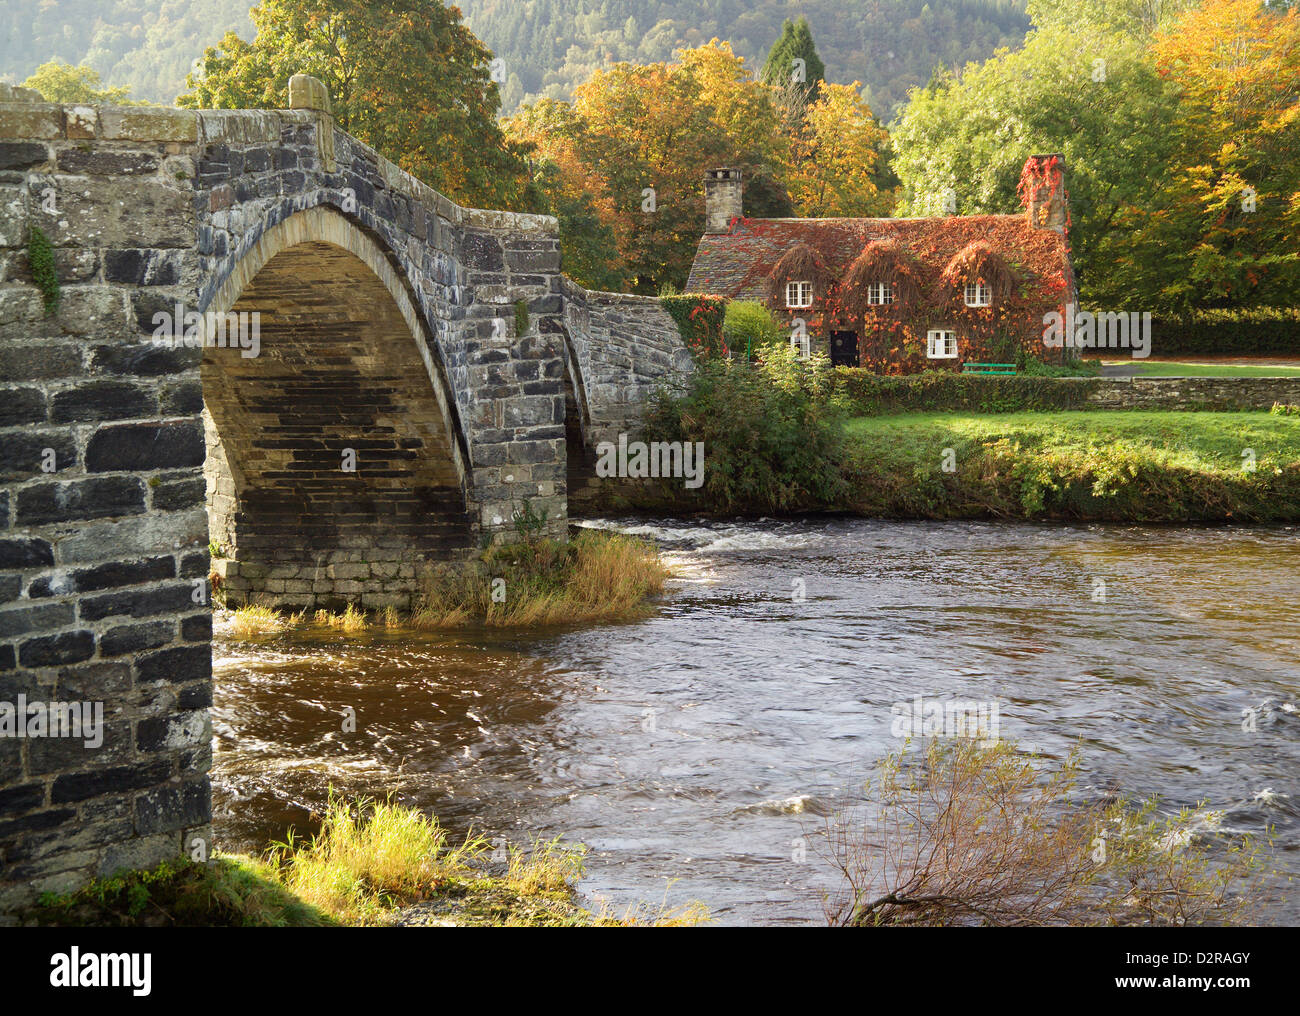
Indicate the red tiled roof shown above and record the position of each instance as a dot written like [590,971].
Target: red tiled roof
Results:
[737,264]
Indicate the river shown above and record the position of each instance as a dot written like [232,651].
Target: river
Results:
[697,753]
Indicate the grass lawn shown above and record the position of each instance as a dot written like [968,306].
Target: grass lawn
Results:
[1171,368]
[1120,466]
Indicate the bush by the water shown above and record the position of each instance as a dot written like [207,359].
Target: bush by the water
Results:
[967,832]
[772,436]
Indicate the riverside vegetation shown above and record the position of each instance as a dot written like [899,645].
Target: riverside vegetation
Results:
[372,863]
[969,832]
[786,435]
[597,577]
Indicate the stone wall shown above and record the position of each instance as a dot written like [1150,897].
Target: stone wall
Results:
[620,348]
[1222,393]
[103,534]
[625,346]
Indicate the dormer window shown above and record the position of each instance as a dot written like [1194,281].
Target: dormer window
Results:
[798,295]
[880,294]
[978,295]
[941,344]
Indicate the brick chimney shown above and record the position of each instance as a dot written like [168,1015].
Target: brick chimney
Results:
[1045,197]
[724,199]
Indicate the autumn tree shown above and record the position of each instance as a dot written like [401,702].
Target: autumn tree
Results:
[835,159]
[745,112]
[405,76]
[1229,214]
[637,138]
[652,134]
[575,193]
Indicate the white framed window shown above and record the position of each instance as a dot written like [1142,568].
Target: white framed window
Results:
[941,344]
[978,295]
[880,293]
[798,294]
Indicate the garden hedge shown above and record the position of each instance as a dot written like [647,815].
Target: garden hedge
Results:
[867,394]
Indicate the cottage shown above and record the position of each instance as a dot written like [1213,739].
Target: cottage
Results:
[898,295]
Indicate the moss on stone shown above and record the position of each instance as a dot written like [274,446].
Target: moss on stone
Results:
[40,256]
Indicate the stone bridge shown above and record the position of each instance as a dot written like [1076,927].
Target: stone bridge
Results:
[271,342]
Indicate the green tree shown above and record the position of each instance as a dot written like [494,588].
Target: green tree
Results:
[405,76]
[1089,93]
[62,82]
[795,44]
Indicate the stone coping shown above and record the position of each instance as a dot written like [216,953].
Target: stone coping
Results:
[26,120]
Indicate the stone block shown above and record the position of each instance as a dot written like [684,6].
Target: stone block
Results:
[148,123]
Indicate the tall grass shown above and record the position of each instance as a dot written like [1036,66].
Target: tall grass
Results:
[597,576]
[371,863]
[370,859]
[255,619]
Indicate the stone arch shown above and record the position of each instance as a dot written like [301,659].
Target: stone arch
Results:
[336,458]
[579,439]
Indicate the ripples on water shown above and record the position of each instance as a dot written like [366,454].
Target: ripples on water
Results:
[700,744]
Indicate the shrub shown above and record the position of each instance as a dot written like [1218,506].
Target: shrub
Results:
[1032,366]
[749,326]
[772,437]
[975,833]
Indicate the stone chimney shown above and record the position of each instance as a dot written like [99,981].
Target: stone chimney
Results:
[1045,196]
[724,199]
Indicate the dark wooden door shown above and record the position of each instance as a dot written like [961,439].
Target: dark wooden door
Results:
[844,349]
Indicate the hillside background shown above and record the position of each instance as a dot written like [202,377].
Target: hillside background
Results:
[548,46]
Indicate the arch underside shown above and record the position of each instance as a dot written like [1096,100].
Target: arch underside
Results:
[333,468]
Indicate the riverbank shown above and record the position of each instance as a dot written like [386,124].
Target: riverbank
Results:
[787,437]
[372,864]
[1084,466]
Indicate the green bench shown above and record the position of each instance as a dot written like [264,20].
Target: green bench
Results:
[988,368]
